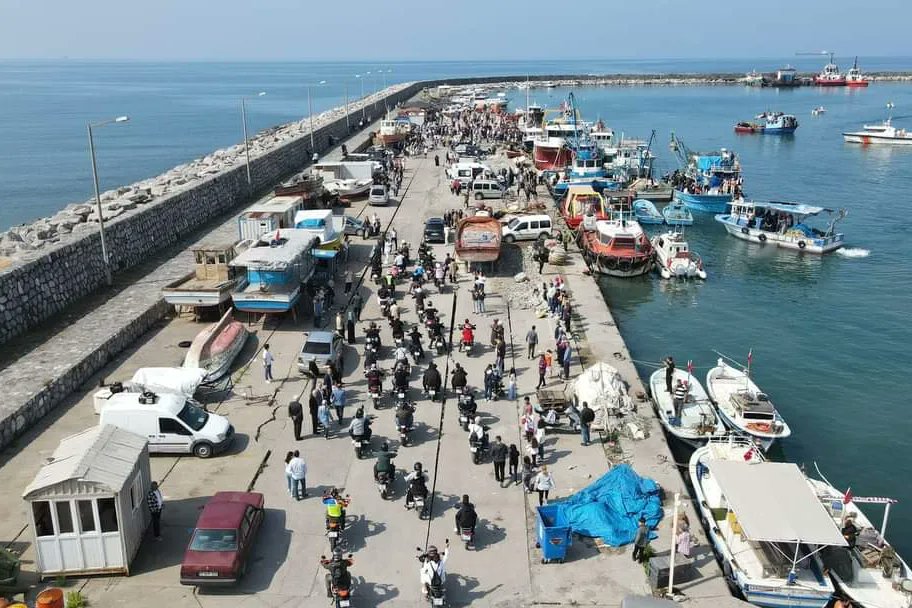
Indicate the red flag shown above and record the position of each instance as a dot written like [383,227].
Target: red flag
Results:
[750,356]
[278,237]
[690,367]
[748,455]
[848,497]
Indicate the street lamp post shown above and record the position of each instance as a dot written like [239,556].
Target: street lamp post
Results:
[347,126]
[104,246]
[310,109]
[246,139]
[363,115]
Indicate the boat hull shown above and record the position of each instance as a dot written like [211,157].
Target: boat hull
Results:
[867,140]
[551,158]
[216,347]
[856,83]
[478,239]
[825,82]
[761,438]
[269,302]
[707,203]
[784,240]
[779,130]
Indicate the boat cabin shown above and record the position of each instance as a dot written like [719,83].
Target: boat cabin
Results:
[754,407]
[319,223]
[212,262]
[274,214]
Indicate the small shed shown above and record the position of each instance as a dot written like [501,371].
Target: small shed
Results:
[87,504]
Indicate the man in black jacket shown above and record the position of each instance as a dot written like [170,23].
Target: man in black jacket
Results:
[466,517]
[499,456]
[586,417]
[296,413]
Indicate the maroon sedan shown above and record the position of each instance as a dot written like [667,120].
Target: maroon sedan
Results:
[223,539]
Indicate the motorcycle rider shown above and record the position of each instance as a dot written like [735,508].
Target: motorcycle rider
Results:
[433,567]
[438,274]
[431,379]
[360,427]
[335,507]
[396,325]
[394,312]
[429,311]
[419,294]
[467,404]
[468,333]
[416,482]
[460,378]
[405,414]
[400,376]
[384,463]
[401,354]
[338,576]
[477,432]
[415,338]
[374,380]
[466,517]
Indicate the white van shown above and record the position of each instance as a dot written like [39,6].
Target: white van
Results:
[466,172]
[527,227]
[486,188]
[171,423]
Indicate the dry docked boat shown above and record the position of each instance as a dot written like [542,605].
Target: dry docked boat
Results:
[696,421]
[215,348]
[674,259]
[764,523]
[213,279]
[478,239]
[305,184]
[394,131]
[743,406]
[869,573]
[617,248]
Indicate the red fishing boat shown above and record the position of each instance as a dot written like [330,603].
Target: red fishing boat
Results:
[581,201]
[617,248]
[748,127]
[478,239]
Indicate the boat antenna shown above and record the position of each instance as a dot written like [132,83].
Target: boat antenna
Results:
[890,106]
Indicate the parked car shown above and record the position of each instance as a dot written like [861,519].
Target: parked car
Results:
[378,195]
[527,227]
[487,188]
[355,227]
[433,230]
[321,347]
[223,539]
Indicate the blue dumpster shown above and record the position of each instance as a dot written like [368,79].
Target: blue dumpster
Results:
[552,533]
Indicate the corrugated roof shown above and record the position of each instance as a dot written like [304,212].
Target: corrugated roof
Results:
[100,455]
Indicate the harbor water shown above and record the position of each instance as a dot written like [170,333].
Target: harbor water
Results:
[828,334]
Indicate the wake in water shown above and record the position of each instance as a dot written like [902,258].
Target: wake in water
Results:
[853,252]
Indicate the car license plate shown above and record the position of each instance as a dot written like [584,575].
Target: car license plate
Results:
[207,573]
[466,537]
[401,395]
[344,603]
[474,449]
[333,534]
[438,601]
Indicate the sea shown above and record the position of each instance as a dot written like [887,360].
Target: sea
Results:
[828,334]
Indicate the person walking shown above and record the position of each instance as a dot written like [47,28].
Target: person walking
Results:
[640,541]
[565,360]
[338,400]
[288,479]
[532,342]
[511,385]
[513,457]
[540,438]
[586,417]
[481,300]
[357,304]
[528,474]
[296,413]
[543,484]
[350,326]
[268,360]
[501,354]
[499,453]
[684,542]
[348,280]
[542,369]
[298,469]
[532,450]
[156,503]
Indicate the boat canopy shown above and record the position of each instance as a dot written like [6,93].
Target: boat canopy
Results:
[706,163]
[796,208]
[774,503]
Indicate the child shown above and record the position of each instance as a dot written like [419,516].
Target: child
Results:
[511,385]
[532,450]
[528,474]
[514,463]
[549,361]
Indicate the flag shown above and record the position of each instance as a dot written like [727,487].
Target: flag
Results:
[748,455]
[690,367]
[848,497]
[750,357]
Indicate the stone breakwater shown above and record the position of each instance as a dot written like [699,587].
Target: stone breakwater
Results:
[53,262]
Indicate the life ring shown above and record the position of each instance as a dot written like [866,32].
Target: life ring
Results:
[745,230]
[761,237]
[802,244]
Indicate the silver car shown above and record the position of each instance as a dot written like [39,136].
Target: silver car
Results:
[321,348]
[379,195]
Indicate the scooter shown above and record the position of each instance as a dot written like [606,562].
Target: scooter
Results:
[466,346]
[418,503]
[477,447]
[335,526]
[468,537]
[437,595]
[417,352]
[432,394]
[384,481]
[466,413]
[404,430]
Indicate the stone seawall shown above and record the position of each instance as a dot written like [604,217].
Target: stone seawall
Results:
[48,275]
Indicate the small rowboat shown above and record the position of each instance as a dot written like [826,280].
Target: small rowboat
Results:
[215,348]
[645,212]
[478,239]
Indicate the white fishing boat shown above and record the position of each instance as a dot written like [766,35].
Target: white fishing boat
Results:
[765,524]
[783,224]
[884,133]
[215,348]
[743,406]
[870,573]
[674,259]
[819,110]
[348,188]
[696,420]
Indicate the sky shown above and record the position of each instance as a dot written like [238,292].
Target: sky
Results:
[402,30]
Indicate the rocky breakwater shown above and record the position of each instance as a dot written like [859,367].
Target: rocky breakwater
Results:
[50,263]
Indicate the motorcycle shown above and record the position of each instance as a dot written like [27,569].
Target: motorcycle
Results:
[439,344]
[466,345]
[467,535]
[431,394]
[437,595]
[467,409]
[417,502]
[335,526]
[376,393]
[340,591]
[404,430]
[384,481]
[477,447]
[385,308]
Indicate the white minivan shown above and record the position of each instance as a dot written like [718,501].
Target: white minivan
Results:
[487,188]
[527,227]
[171,423]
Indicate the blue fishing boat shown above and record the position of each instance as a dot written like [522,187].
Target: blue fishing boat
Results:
[587,169]
[278,265]
[777,123]
[677,214]
[645,212]
[707,181]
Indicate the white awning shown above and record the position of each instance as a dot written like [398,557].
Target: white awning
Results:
[774,503]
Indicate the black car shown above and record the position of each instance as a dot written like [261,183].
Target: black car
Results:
[433,230]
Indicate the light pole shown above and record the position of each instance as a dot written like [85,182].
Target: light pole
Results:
[363,116]
[246,139]
[104,247]
[347,126]
[310,109]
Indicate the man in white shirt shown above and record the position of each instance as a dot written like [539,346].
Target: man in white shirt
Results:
[434,563]
[298,469]
[268,360]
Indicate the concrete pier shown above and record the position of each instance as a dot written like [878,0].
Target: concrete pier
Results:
[504,570]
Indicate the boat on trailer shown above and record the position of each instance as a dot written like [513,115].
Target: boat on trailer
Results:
[743,406]
[765,524]
[783,224]
[478,239]
[697,420]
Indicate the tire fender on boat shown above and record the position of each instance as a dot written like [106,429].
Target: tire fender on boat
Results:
[802,244]
[624,265]
[745,230]
[611,262]
[761,238]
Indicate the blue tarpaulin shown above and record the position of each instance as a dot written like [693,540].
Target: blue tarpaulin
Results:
[705,163]
[610,508]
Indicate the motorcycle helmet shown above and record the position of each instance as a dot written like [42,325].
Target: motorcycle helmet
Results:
[385,446]
[432,553]
[337,554]
[478,420]
[359,413]
[417,467]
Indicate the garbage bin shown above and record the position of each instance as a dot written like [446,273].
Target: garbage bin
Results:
[552,534]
